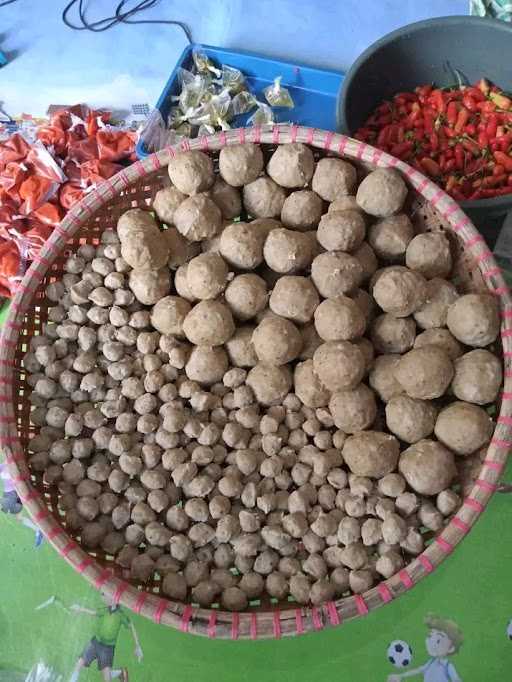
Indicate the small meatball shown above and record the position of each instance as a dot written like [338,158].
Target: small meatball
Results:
[207,365]
[428,467]
[382,192]
[291,165]
[424,373]
[353,410]
[276,341]
[240,164]
[308,386]
[409,419]
[389,563]
[464,428]
[246,296]
[270,384]
[441,338]
[168,315]
[391,334]
[334,178]
[207,276]
[341,230]
[287,251]
[302,210]
[263,198]
[209,323]
[474,319]
[242,245]
[478,377]
[148,286]
[400,291]
[198,218]
[240,348]
[339,365]
[295,298]
[335,273]
[439,297]
[390,237]
[227,198]
[166,202]
[339,319]
[135,220]
[447,502]
[371,453]
[234,599]
[191,172]
[392,485]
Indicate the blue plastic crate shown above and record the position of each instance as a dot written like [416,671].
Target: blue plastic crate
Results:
[314,91]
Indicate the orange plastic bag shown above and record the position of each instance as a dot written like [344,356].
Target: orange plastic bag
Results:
[53,137]
[115,145]
[69,194]
[93,172]
[83,150]
[49,213]
[15,149]
[35,191]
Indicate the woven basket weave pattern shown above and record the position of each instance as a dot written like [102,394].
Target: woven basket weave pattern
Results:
[136,186]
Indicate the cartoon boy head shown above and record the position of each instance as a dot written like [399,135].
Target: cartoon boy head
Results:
[444,638]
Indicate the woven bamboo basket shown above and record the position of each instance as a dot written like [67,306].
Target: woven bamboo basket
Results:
[431,208]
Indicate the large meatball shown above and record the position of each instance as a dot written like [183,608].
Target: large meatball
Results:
[392,334]
[428,467]
[335,273]
[166,202]
[478,377]
[429,253]
[382,377]
[291,165]
[339,319]
[295,298]
[371,453]
[227,198]
[464,428]
[198,218]
[441,338]
[425,373]
[340,365]
[440,295]
[390,237]
[353,410]
[308,386]
[191,172]
[382,192]
[168,315]
[209,323]
[474,319]
[287,251]
[334,178]
[149,286]
[240,164]
[241,244]
[246,295]
[341,230]
[302,210]
[207,276]
[269,383]
[399,291]
[263,198]
[410,419]
[276,341]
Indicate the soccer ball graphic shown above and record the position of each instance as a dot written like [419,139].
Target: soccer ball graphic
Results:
[399,654]
[509,630]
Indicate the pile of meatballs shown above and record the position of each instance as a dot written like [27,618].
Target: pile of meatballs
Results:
[263,386]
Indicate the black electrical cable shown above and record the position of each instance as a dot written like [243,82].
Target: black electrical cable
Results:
[6,2]
[123,15]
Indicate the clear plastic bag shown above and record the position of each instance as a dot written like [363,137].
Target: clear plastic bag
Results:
[277,95]
[262,116]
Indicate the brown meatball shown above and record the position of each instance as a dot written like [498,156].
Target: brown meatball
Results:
[263,198]
[429,253]
[341,230]
[428,467]
[339,365]
[209,323]
[464,428]
[425,373]
[442,339]
[371,453]
[334,178]
[198,218]
[391,334]
[382,193]
[390,237]
[474,319]
[440,295]
[478,377]
[269,383]
[295,298]
[339,319]
[399,291]
[302,210]
[240,164]
[353,410]
[410,419]
[291,165]
[191,172]
[276,341]
[382,377]
[335,272]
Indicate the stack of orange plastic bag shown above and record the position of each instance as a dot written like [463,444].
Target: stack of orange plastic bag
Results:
[40,181]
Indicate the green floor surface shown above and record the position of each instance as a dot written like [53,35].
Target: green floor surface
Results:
[473,587]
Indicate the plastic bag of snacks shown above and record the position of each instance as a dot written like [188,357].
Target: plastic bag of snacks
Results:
[45,171]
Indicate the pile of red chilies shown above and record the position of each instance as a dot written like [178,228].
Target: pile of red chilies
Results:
[460,137]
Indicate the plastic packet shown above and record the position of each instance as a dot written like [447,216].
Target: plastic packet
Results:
[243,103]
[277,95]
[176,117]
[69,195]
[233,79]
[49,213]
[194,91]
[36,191]
[14,149]
[54,138]
[115,145]
[205,129]
[96,170]
[204,64]
[154,135]
[261,116]
[83,150]
[215,112]
[43,163]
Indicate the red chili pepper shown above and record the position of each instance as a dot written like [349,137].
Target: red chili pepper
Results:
[470,129]
[449,165]
[383,136]
[471,146]
[486,107]
[476,94]
[451,113]
[483,140]
[438,100]
[434,141]
[459,157]
[430,166]
[492,126]
[498,169]
[468,101]
[462,119]
[401,149]
[504,160]
[400,134]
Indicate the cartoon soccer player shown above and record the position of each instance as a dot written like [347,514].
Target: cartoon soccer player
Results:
[443,640]
[11,504]
[101,648]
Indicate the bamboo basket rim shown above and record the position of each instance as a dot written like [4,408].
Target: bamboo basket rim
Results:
[278,622]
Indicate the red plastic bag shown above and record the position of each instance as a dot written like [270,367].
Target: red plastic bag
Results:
[115,145]
[35,191]
[42,163]
[83,150]
[93,172]
[15,149]
[10,260]
[53,137]
[69,195]
[49,213]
